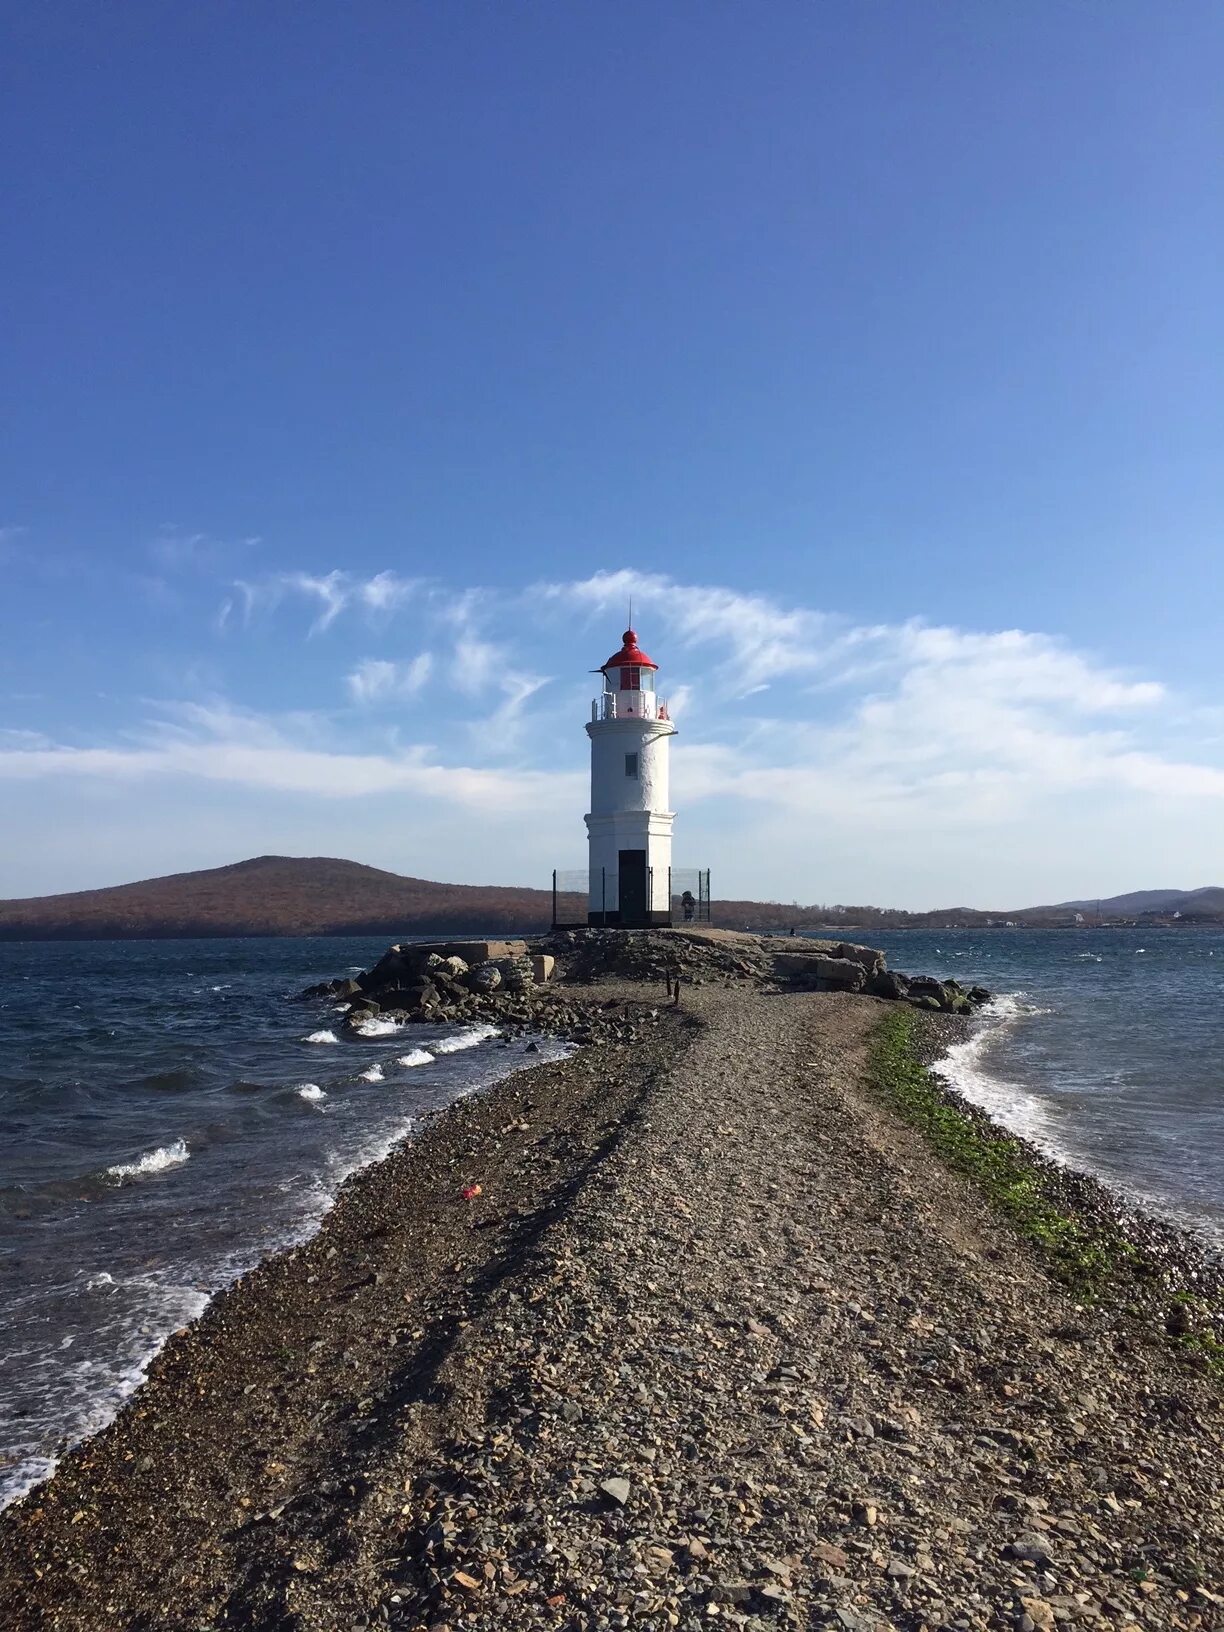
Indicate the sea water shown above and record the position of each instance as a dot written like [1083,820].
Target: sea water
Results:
[1103,1046]
[169,1118]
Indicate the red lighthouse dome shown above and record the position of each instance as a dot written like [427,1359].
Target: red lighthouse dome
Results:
[630,656]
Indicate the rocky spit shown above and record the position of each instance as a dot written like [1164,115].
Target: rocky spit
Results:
[684,1331]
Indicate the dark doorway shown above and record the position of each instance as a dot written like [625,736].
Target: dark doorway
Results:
[633,902]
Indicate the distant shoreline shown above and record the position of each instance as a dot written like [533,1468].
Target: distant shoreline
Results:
[487,929]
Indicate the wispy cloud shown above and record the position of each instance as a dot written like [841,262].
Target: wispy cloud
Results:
[222,744]
[378,680]
[926,759]
[178,549]
[331,593]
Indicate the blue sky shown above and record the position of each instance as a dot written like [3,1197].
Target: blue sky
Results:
[360,363]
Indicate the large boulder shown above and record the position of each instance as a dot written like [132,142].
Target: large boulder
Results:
[924,987]
[410,997]
[888,983]
[838,974]
[483,978]
[871,960]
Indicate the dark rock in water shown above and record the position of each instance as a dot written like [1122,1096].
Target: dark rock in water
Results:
[405,997]
[888,983]
[979,994]
[924,987]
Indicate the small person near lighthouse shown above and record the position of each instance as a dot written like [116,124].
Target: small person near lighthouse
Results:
[630,825]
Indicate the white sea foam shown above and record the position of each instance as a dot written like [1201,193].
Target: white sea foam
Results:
[311,1091]
[419,1056]
[321,1037]
[98,1389]
[964,1067]
[467,1038]
[375,1027]
[372,1073]
[153,1161]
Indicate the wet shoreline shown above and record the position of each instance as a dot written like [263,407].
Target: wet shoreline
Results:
[257,1479]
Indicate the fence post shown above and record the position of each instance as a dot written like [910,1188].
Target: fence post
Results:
[669,894]
[603,897]
[554,922]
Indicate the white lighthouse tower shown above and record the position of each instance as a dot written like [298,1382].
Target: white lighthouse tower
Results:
[629,826]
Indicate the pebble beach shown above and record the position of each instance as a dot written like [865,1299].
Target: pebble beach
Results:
[683,1330]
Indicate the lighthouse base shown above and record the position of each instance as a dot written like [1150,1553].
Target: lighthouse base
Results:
[592,899]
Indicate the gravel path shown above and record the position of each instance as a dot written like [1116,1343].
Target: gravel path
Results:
[756,1361]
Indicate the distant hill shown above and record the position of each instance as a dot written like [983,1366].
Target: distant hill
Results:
[276,895]
[318,895]
[1203,903]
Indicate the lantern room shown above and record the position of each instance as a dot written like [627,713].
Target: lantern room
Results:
[629,684]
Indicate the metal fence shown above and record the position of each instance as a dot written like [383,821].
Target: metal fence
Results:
[580,899]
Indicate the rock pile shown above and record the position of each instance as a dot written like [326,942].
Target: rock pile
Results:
[413,984]
[419,983]
[849,968]
[657,955]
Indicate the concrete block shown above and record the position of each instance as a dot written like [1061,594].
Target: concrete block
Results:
[473,952]
[542,966]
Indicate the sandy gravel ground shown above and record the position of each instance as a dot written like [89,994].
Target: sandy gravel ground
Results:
[717,1343]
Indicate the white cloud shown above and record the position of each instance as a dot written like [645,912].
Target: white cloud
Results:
[761,640]
[927,763]
[378,680]
[332,592]
[220,744]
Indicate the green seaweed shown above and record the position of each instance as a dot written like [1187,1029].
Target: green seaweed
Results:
[1080,1256]
[1094,1259]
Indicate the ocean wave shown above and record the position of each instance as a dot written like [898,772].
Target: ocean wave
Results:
[153,1161]
[376,1027]
[372,1073]
[419,1056]
[467,1038]
[91,1391]
[311,1091]
[965,1069]
[321,1037]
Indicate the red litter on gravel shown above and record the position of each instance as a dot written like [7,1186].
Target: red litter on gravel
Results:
[471,1191]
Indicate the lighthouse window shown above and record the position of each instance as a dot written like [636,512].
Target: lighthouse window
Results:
[631,765]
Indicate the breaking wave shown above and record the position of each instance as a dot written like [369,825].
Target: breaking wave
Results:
[321,1037]
[965,1067]
[375,1027]
[153,1161]
[467,1038]
[419,1056]
[311,1091]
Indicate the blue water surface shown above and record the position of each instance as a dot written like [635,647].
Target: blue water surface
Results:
[168,1123]
[1107,1048]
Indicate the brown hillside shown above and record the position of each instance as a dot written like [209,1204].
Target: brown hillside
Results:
[319,895]
[276,895]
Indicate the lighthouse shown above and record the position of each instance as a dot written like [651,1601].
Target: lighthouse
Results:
[629,827]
